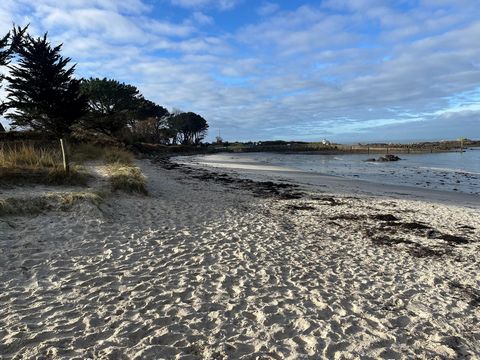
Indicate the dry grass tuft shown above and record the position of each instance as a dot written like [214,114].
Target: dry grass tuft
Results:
[69,199]
[124,175]
[25,163]
[127,178]
[118,156]
[39,204]
[27,156]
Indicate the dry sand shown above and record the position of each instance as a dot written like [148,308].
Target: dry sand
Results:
[213,267]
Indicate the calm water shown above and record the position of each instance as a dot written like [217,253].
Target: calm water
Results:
[453,171]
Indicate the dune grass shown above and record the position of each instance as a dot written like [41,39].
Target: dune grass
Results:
[127,178]
[26,163]
[58,201]
[118,156]
[124,175]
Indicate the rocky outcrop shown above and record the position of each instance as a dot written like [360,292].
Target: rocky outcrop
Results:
[385,158]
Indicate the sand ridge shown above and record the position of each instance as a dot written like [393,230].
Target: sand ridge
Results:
[206,270]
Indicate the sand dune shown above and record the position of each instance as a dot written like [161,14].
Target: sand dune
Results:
[203,269]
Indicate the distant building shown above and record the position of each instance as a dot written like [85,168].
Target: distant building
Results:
[326,142]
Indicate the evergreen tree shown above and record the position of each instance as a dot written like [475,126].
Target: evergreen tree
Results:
[111,105]
[7,45]
[42,91]
[191,128]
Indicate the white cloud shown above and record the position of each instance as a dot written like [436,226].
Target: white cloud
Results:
[267,8]
[202,19]
[220,4]
[343,66]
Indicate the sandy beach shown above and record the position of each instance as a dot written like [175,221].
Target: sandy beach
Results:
[231,260]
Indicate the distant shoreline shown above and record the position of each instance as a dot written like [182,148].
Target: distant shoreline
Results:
[249,168]
[327,148]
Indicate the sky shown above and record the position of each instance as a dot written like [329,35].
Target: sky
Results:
[343,70]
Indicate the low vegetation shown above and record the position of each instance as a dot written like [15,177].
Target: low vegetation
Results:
[123,173]
[118,156]
[26,163]
[127,178]
[61,201]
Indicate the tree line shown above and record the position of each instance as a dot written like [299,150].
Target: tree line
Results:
[42,94]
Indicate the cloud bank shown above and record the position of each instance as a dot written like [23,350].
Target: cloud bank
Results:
[347,70]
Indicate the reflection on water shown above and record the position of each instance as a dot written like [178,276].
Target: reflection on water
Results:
[453,171]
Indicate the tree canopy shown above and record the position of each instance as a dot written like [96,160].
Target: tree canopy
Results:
[115,107]
[43,95]
[7,45]
[191,128]
[111,104]
[42,91]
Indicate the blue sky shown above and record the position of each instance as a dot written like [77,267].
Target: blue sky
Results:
[346,70]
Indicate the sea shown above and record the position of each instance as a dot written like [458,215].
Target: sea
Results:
[449,171]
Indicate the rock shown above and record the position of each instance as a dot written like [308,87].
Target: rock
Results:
[385,158]
[388,157]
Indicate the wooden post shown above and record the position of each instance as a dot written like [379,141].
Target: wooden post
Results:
[368,149]
[66,165]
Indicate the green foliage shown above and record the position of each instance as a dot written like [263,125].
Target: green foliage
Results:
[111,104]
[42,91]
[151,123]
[148,109]
[7,45]
[4,57]
[191,128]
[118,109]
[44,97]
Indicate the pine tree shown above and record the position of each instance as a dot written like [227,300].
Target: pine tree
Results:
[42,91]
[4,55]
[111,105]
[7,45]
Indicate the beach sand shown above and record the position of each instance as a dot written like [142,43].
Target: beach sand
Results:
[231,265]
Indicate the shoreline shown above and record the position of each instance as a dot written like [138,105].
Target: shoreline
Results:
[332,183]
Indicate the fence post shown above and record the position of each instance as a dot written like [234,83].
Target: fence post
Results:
[66,165]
